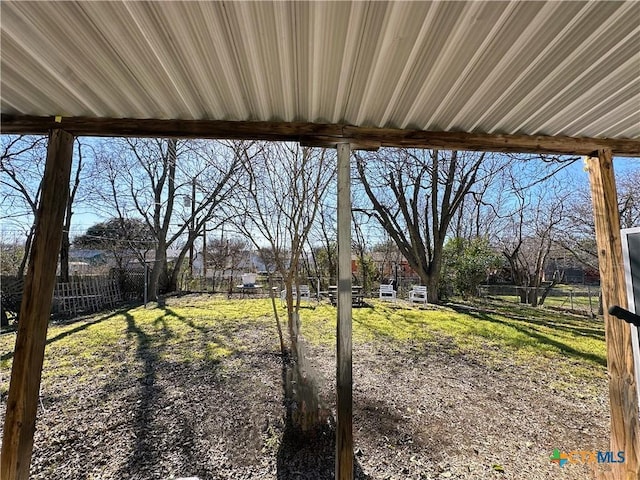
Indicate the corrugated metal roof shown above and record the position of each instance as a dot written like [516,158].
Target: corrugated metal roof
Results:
[533,68]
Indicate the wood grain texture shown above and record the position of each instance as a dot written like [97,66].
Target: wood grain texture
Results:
[622,387]
[316,134]
[22,402]
[344,432]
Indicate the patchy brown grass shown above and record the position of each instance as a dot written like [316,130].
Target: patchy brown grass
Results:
[194,389]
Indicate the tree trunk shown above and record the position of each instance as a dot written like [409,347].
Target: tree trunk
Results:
[27,252]
[433,275]
[554,281]
[64,257]
[524,294]
[159,266]
[172,285]
[533,297]
[64,248]
[433,284]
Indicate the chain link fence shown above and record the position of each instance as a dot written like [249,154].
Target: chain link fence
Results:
[575,298]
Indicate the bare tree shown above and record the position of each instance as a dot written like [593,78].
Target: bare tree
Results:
[628,187]
[21,171]
[578,229]
[415,195]
[323,247]
[226,255]
[527,241]
[153,178]
[285,186]
[361,246]
[76,183]
[534,193]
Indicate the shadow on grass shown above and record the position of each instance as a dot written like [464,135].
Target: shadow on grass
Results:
[551,319]
[221,335]
[536,335]
[154,432]
[386,327]
[147,451]
[79,328]
[595,333]
[147,397]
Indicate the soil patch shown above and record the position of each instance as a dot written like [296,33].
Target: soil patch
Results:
[422,410]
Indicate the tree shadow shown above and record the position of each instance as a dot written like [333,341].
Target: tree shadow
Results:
[79,328]
[595,333]
[147,397]
[220,335]
[312,456]
[536,335]
[570,325]
[155,434]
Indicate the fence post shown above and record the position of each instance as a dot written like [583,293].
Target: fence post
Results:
[145,283]
[571,298]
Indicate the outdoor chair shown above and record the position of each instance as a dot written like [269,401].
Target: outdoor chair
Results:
[249,279]
[387,293]
[418,294]
[303,291]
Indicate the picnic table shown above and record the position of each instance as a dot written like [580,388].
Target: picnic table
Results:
[247,290]
[357,295]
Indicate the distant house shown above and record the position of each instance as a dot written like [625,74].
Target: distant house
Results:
[91,257]
[84,262]
[233,265]
[394,266]
[570,271]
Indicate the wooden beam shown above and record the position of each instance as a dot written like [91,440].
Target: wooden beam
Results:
[344,432]
[317,134]
[331,142]
[623,399]
[22,403]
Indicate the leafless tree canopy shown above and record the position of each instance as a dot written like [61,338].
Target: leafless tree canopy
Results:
[175,187]
[415,195]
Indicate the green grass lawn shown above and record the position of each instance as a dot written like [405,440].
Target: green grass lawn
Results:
[201,329]
[562,298]
[510,333]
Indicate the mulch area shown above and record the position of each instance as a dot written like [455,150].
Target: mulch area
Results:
[421,411]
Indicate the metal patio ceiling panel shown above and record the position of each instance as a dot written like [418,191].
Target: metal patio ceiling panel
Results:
[551,68]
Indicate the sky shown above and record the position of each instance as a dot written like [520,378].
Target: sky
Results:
[86,216]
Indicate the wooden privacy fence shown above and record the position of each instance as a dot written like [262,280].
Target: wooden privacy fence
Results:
[86,294]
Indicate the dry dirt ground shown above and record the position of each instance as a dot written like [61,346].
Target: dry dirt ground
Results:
[421,411]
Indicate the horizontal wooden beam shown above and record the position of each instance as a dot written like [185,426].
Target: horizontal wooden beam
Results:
[317,134]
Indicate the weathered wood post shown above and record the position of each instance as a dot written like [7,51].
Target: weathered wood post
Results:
[622,386]
[22,403]
[344,433]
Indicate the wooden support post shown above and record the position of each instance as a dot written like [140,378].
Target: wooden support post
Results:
[625,433]
[22,403]
[344,433]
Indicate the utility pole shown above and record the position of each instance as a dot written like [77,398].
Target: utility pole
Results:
[204,254]
[193,223]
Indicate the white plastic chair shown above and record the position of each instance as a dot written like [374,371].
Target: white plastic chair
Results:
[303,291]
[387,293]
[418,294]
